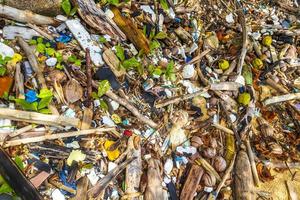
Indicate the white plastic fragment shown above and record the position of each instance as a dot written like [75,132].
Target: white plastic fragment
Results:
[75,155]
[73,145]
[168,166]
[115,105]
[208,189]
[51,62]
[149,10]
[10,32]
[57,195]
[111,166]
[229,18]
[6,51]
[85,41]
[92,176]
[108,121]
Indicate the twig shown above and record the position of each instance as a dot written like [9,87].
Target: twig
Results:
[244,46]
[214,195]
[40,31]
[38,118]
[252,163]
[21,130]
[19,82]
[282,98]
[89,75]
[198,57]
[202,162]
[180,98]
[56,136]
[25,16]
[223,128]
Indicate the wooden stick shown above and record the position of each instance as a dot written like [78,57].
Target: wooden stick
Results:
[134,169]
[282,98]
[22,130]
[38,118]
[180,98]
[40,31]
[252,163]
[19,82]
[134,111]
[25,16]
[208,167]
[56,136]
[223,128]
[36,68]
[198,57]
[111,175]
[154,189]
[82,188]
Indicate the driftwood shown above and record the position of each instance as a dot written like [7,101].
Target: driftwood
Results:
[38,118]
[154,190]
[132,32]
[282,98]
[25,16]
[43,7]
[252,163]
[193,179]
[19,82]
[97,19]
[16,179]
[242,56]
[243,181]
[45,137]
[134,169]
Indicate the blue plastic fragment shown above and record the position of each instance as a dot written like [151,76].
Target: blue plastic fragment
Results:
[63,38]
[177,20]
[242,89]
[286,24]
[125,122]
[188,59]
[31,96]
[63,175]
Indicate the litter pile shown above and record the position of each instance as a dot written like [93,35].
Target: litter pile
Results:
[149,100]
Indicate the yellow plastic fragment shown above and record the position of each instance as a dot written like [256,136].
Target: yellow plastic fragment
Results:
[75,155]
[112,155]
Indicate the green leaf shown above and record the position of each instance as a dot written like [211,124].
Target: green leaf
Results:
[102,39]
[150,68]
[154,45]
[170,74]
[45,111]
[2,70]
[19,162]
[39,40]
[44,102]
[161,35]
[247,74]
[66,6]
[32,42]
[94,95]
[50,51]
[27,106]
[72,58]
[164,5]
[131,63]
[59,56]
[45,93]
[120,52]
[113,2]
[103,87]
[140,69]
[5,188]
[40,47]
[157,71]
[59,66]
[73,11]
[152,34]
[48,44]
[5,95]
[103,105]
[77,63]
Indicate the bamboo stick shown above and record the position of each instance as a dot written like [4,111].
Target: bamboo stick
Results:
[252,163]
[282,98]
[38,118]
[56,136]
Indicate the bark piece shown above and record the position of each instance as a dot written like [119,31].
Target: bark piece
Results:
[113,62]
[191,182]
[43,7]
[97,19]
[87,119]
[82,188]
[85,41]
[154,190]
[16,179]
[25,16]
[132,32]
[39,179]
[243,181]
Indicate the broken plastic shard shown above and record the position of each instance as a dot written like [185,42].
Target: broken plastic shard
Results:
[57,195]
[6,51]
[75,155]
[85,41]
[92,176]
